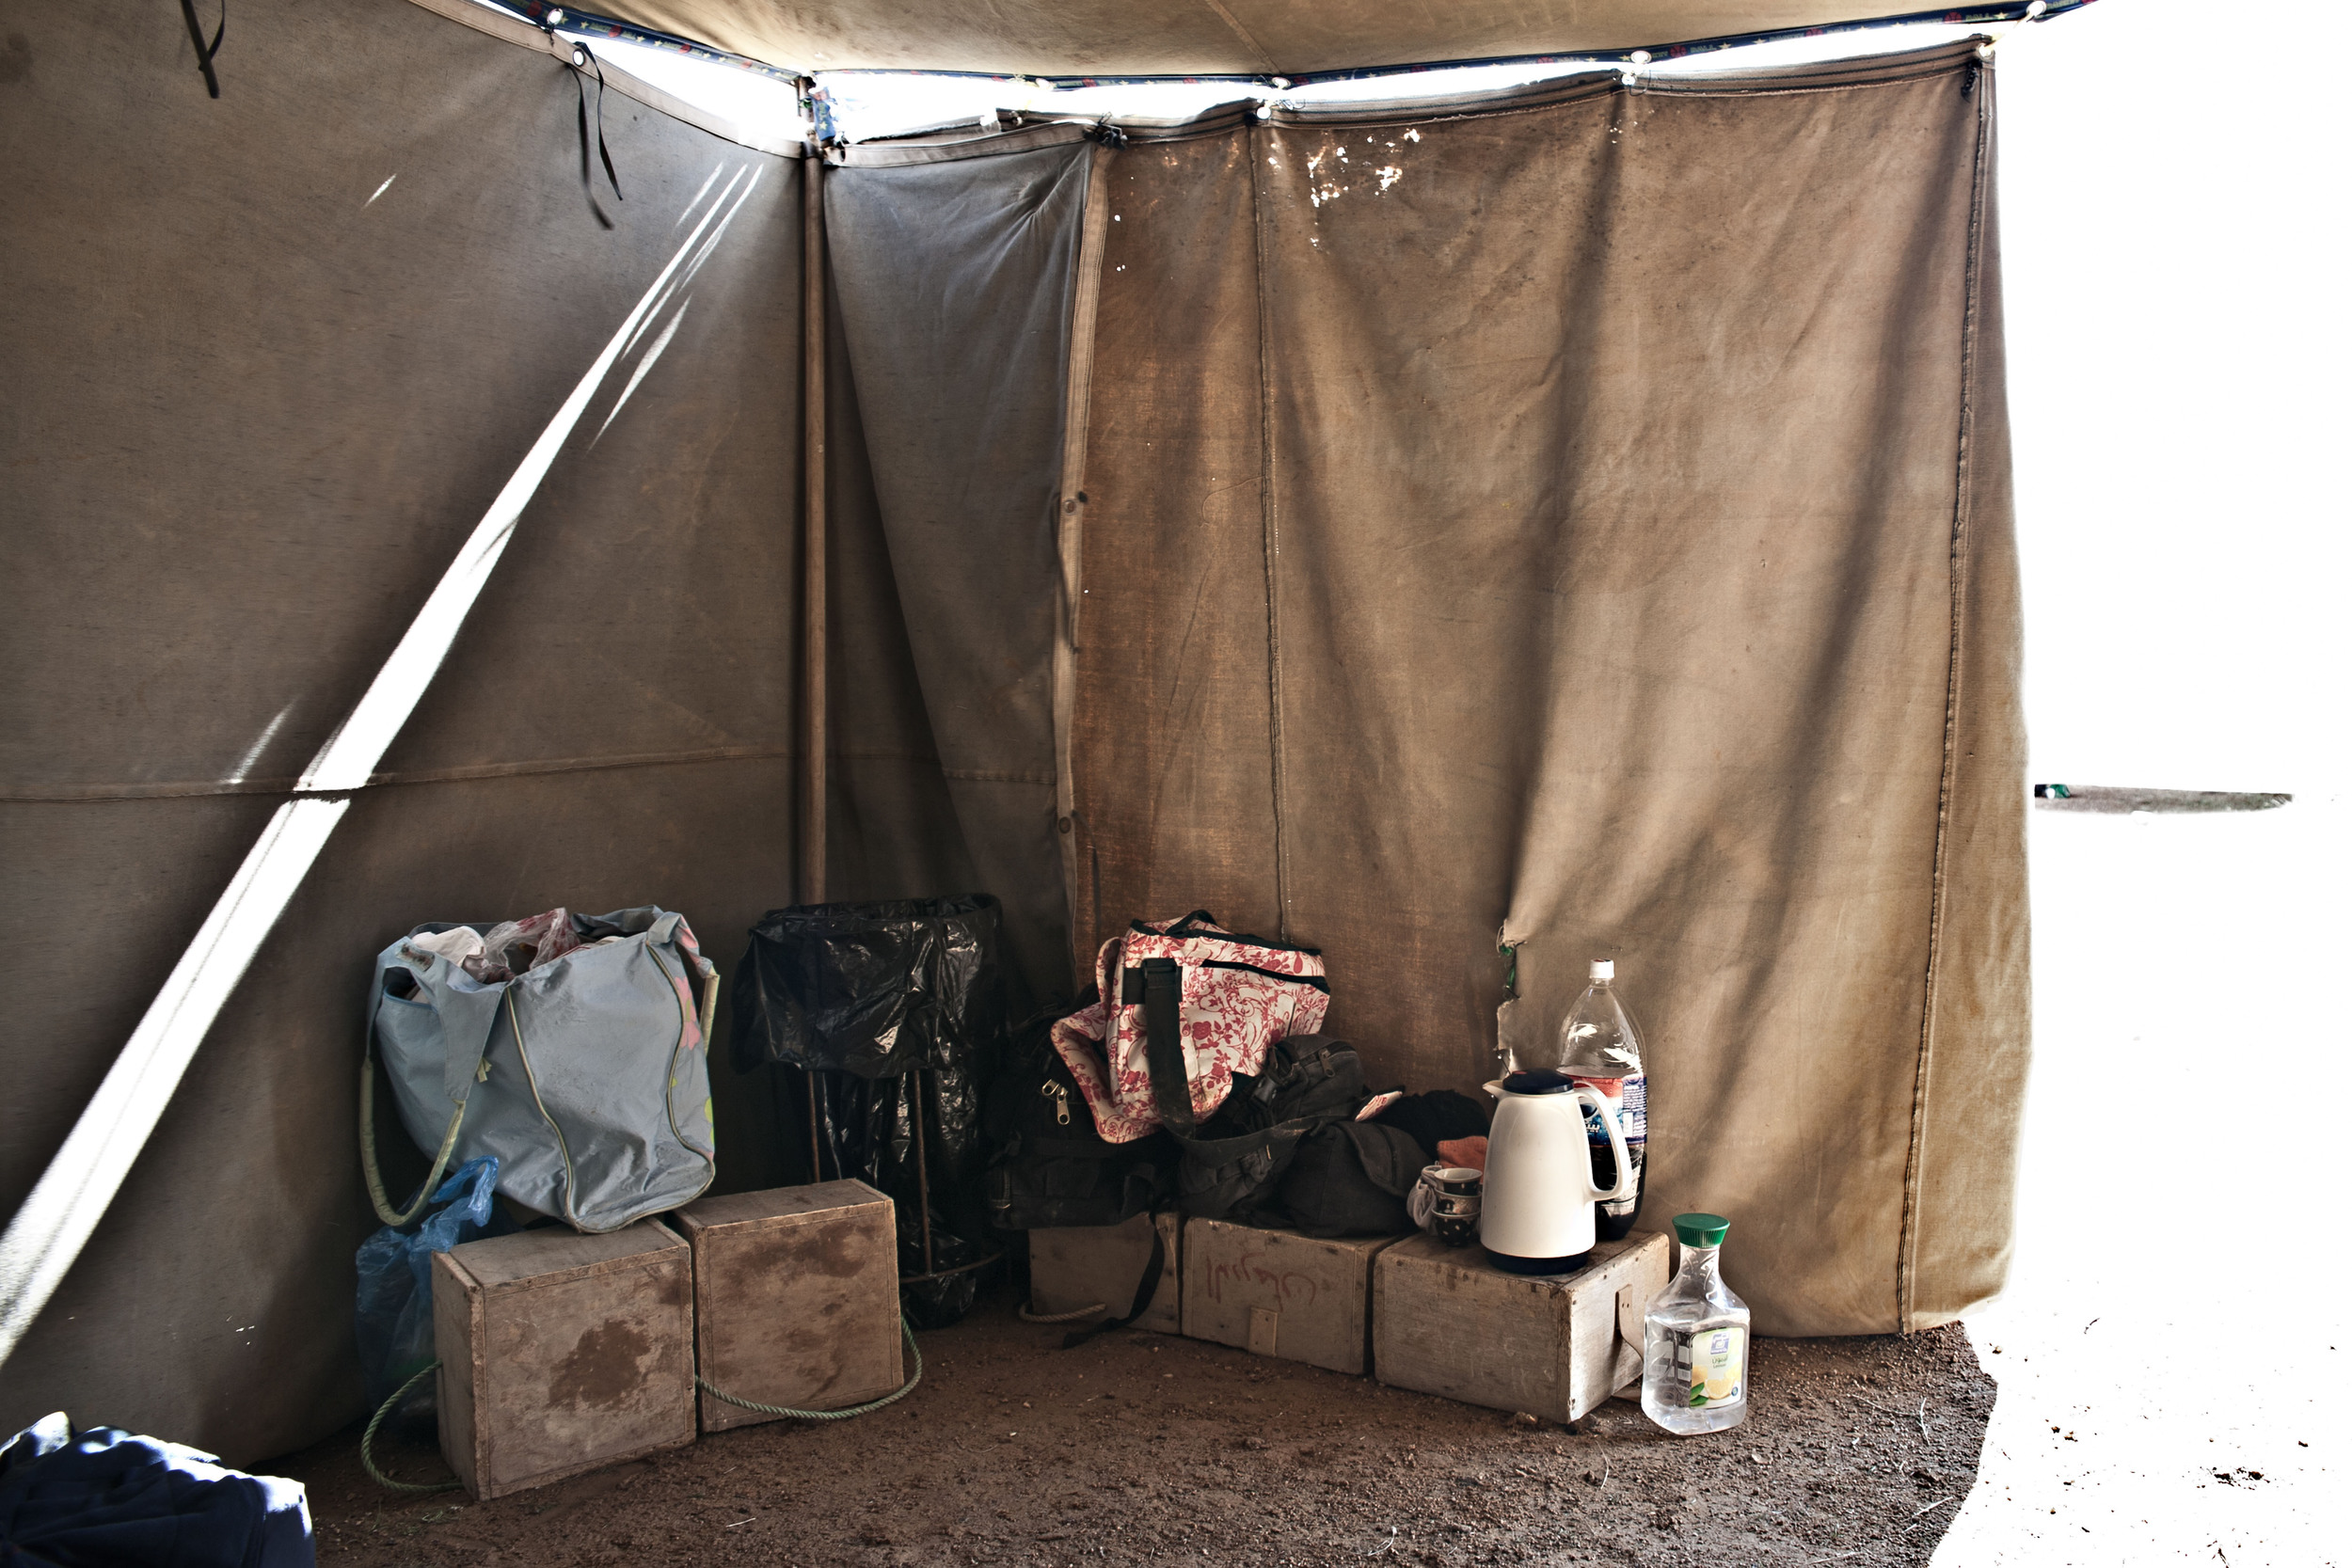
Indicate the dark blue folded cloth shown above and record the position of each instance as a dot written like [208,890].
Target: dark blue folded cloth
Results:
[105,1498]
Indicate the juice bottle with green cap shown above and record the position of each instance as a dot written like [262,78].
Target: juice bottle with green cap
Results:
[1694,1353]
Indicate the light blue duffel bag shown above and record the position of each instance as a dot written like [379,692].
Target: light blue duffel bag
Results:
[587,1073]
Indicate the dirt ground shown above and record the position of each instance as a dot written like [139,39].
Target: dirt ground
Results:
[1145,1448]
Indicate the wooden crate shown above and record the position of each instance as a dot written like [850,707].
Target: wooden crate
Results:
[796,1298]
[561,1352]
[1077,1266]
[1447,1321]
[1279,1294]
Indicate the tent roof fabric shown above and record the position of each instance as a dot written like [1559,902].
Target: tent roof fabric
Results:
[1218,38]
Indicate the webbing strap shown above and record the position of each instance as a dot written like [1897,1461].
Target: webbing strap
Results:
[1154,1270]
[584,60]
[205,52]
[1163,1043]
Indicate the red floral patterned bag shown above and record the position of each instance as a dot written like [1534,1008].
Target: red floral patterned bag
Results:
[1240,995]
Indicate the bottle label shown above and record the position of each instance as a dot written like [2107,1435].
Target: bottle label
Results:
[1713,1364]
[1629,1099]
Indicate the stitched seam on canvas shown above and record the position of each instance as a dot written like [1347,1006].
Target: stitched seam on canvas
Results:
[1269,535]
[1573,91]
[1603,89]
[108,794]
[1070,532]
[1248,41]
[1906,1257]
[979,775]
[517,31]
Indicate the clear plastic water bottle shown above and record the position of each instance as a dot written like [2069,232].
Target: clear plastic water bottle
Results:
[1695,1338]
[1599,1048]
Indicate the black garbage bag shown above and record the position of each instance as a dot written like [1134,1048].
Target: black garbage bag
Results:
[876,990]
[867,1130]
[896,1012]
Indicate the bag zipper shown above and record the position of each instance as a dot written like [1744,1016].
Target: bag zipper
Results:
[1315,980]
[669,1104]
[1131,978]
[522,1052]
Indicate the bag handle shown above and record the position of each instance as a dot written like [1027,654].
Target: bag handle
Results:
[1163,1043]
[377,1194]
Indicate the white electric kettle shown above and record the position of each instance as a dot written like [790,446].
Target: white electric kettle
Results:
[1537,1215]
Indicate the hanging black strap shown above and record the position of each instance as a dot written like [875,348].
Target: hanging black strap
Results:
[204,51]
[583,61]
[1154,1270]
[1164,1042]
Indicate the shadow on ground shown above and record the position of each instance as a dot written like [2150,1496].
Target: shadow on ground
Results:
[1144,1449]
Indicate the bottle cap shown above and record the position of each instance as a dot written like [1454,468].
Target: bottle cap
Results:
[1604,969]
[1701,1230]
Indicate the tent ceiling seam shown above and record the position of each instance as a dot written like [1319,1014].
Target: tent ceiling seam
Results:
[1093,73]
[515,30]
[1535,98]
[1248,41]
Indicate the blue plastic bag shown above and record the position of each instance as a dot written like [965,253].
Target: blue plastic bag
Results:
[395,1319]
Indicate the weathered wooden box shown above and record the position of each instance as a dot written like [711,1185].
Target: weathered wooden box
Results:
[1077,1266]
[561,1352]
[796,1298]
[1447,1321]
[1279,1294]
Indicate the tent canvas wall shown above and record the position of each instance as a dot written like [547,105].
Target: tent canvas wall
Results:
[258,413]
[1576,512]
[1591,525]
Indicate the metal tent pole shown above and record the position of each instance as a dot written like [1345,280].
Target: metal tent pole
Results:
[813,521]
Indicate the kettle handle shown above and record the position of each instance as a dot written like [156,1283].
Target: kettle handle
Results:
[1627,1175]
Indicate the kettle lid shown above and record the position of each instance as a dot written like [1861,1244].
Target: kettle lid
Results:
[1541,1080]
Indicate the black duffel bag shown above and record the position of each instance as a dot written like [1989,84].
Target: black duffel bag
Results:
[1052,1167]
[1351,1179]
[1285,1147]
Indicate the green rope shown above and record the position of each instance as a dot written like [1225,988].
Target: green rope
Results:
[367,1441]
[904,1327]
[1094,1311]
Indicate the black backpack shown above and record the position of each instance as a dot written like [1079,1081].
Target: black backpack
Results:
[1052,1167]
